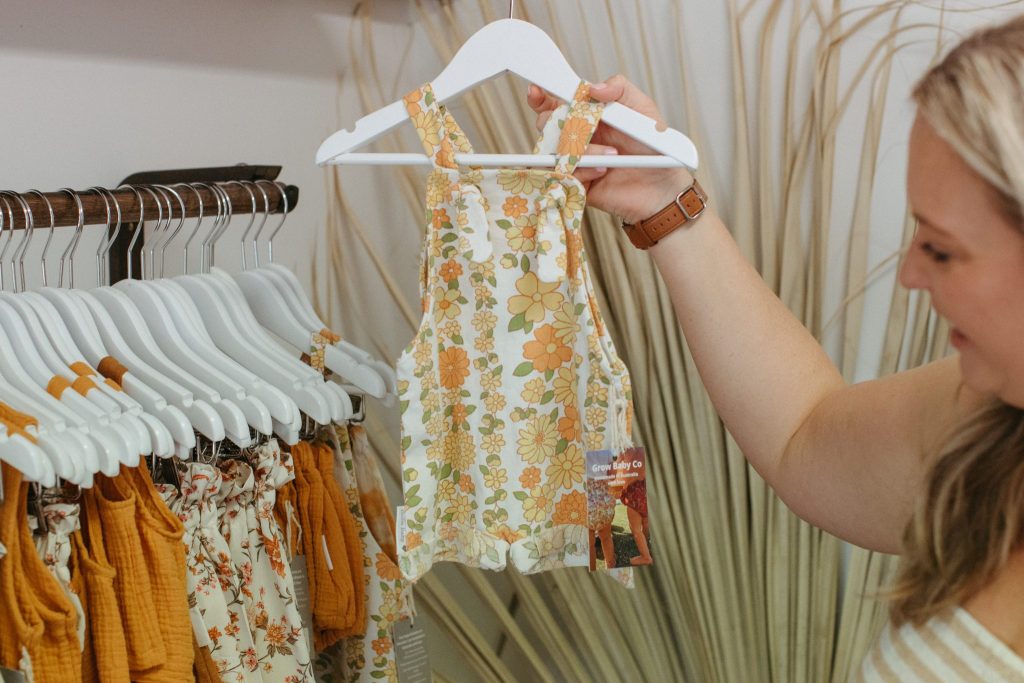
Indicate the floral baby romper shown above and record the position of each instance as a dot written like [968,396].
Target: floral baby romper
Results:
[511,376]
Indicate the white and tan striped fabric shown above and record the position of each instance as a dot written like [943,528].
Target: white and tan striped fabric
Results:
[949,647]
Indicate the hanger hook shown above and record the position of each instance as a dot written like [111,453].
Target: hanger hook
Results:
[281,187]
[10,240]
[511,8]
[49,236]
[79,227]
[211,240]
[252,215]
[139,227]
[199,220]
[19,251]
[160,227]
[177,228]
[216,221]
[266,214]
[10,234]
[102,265]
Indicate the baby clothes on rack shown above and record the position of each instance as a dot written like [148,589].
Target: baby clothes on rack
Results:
[256,543]
[511,376]
[53,543]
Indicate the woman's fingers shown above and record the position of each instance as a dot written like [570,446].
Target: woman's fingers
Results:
[542,119]
[587,174]
[539,100]
[619,89]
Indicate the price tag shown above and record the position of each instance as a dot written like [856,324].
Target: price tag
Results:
[411,653]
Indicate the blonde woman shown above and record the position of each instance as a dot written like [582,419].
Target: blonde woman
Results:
[875,463]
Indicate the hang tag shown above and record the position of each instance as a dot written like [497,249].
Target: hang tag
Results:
[400,531]
[617,508]
[411,656]
[300,578]
[199,628]
[12,676]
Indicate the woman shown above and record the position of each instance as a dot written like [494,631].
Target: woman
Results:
[875,463]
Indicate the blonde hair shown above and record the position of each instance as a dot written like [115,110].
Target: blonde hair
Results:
[971,516]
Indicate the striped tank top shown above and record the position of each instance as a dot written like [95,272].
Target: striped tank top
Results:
[952,646]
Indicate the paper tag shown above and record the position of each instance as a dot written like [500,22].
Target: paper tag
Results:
[199,628]
[617,508]
[12,676]
[411,657]
[327,554]
[300,578]
[400,531]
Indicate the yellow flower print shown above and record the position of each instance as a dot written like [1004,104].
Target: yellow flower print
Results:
[458,414]
[537,441]
[428,127]
[596,416]
[530,477]
[484,320]
[521,181]
[445,489]
[461,510]
[506,534]
[451,330]
[437,183]
[575,200]
[566,468]
[435,451]
[495,477]
[514,206]
[575,135]
[569,427]
[546,351]
[484,344]
[597,393]
[534,298]
[522,236]
[565,386]
[458,450]
[421,355]
[466,484]
[493,443]
[454,365]
[533,392]
[450,270]
[484,269]
[566,323]
[490,381]
[571,509]
[438,219]
[446,305]
[537,505]
[445,154]
[595,441]
[494,403]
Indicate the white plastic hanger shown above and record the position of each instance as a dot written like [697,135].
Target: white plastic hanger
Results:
[510,45]
[26,457]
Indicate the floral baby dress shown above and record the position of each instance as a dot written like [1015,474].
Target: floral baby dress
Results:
[511,376]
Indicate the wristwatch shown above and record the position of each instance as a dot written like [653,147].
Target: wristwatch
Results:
[686,208]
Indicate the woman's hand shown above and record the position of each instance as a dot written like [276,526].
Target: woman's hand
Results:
[631,193]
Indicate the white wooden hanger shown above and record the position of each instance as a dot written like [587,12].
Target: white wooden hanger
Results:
[26,457]
[510,45]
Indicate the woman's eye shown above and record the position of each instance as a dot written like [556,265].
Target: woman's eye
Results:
[935,254]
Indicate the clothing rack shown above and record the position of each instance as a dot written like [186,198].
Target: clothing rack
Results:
[65,209]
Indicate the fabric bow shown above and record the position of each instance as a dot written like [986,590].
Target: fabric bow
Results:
[551,233]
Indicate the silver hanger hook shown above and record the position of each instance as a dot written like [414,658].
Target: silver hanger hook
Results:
[49,236]
[102,266]
[252,214]
[139,227]
[142,230]
[219,228]
[284,216]
[218,219]
[18,255]
[177,228]
[159,229]
[79,227]
[199,219]
[263,221]
[106,203]
[511,8]
[10,235]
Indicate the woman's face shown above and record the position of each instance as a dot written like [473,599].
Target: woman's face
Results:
[970,257]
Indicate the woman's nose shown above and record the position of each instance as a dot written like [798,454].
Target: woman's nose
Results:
[913,271]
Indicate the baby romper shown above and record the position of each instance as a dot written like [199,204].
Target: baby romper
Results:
[496,413]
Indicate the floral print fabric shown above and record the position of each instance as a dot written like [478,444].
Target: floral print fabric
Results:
[511,376]
[54,548]
[256,542]
[370,657]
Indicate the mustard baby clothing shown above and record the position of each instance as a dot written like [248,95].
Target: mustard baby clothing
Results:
[511,376]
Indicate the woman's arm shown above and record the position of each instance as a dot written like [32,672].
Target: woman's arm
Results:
[849,459]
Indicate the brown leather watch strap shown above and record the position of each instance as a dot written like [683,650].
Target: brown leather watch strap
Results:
[686,208]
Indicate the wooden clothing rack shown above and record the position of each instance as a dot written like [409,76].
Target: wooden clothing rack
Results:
[65,209]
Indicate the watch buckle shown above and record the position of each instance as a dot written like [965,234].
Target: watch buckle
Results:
[697,194]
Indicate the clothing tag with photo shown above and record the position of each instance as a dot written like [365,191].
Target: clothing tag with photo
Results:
[617,508]
[411,657]
[400,530]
